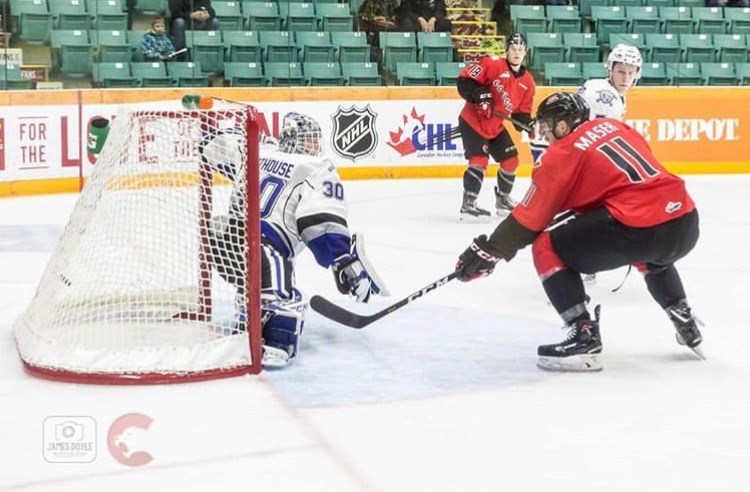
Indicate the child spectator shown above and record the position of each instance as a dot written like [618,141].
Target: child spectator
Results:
[156,45]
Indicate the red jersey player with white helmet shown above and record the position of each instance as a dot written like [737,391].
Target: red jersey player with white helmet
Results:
[632,211]
[493,86]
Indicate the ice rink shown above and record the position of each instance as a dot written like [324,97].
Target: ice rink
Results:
[443,395]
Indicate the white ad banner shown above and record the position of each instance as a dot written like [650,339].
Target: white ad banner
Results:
[38,142]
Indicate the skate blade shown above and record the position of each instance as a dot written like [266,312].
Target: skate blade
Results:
[697,350]
[275,358]
[572,363]
[589,279]
[502,213]
[474,219]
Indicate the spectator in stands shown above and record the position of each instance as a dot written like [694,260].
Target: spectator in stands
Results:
[376,16]
[156,45]
[727,3]
[423,15]
[195,15]
[557,2]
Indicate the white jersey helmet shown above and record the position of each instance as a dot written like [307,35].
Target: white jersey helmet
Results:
[625,53]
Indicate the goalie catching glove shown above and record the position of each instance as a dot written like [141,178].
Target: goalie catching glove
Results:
[354,275]
[476,261]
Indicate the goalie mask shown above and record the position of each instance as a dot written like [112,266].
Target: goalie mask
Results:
[300,134]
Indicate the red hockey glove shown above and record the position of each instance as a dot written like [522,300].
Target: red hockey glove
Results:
[476,261]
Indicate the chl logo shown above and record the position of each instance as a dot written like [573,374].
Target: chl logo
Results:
[354,132]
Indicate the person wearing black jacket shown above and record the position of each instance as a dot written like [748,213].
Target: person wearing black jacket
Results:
[195,15]
[423,15]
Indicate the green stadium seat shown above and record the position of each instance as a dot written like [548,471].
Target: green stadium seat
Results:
[632,38]
[743,73]
[261,16]
[322,73]
[70,14]
[447,73]
[676,20]
[334,17]
[397,47]
[545,47]
[718,74]
[653,74]
[113,75]
[298,16]
[627,3]
[581,47]
[563,18]
[570,74]
[731,48]
[96,6]
[738,19]
[152,7]
[608,20]
[528,18]
[663,48]
[112,45]
[229,15]
[709,20]
[135,40]
[283,74]
[697,48]
[11,79]
[351,46]
[659,3]
[32,20]
[278,46]
[207,49]
[415,73]
[585,6]
[187,74]
[314,46]
[244,74]
[151,74]
[72,52]
[690,3]
[109,16]
[242,46]
[361,73]
[595,70]
[643,19]
[684,73]
[434,47]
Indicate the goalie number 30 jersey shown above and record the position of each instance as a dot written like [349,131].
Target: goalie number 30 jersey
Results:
[302,203]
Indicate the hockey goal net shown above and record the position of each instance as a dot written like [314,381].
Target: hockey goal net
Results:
[131,293]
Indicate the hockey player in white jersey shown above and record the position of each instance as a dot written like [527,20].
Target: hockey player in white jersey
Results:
[605,97]
[302,205]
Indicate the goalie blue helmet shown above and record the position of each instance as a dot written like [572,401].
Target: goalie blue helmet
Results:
[300,134]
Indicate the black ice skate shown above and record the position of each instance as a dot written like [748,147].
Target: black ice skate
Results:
[470,211]
[578,352]
[503,202]
[686,325]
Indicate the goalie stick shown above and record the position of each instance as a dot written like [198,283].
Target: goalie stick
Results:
[353,320]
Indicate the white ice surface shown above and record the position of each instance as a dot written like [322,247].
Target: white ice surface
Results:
[440,396]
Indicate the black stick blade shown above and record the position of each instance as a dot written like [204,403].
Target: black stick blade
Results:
[338,314]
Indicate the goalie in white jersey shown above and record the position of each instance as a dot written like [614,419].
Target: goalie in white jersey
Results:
[605,97]
[302,204]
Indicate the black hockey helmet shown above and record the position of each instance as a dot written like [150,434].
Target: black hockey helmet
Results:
[516,38]
[563,106]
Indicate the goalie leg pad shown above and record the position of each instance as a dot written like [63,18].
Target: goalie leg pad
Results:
[358,251]
[282,329]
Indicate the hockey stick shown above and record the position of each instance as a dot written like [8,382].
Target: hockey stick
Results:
[523,126]
[359,321]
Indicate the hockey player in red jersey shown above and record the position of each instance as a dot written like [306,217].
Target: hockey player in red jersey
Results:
[493,85]
[632,211]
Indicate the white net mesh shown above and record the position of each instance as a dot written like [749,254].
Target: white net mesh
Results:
[132,289]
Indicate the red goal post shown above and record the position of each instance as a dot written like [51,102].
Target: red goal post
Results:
[131,294]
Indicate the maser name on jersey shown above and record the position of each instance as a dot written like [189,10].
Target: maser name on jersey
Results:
[596,133]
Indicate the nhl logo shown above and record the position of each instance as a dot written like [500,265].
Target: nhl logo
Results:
[354,133]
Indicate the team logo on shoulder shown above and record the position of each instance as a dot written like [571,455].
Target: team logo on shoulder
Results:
[605,97]
[354,132]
